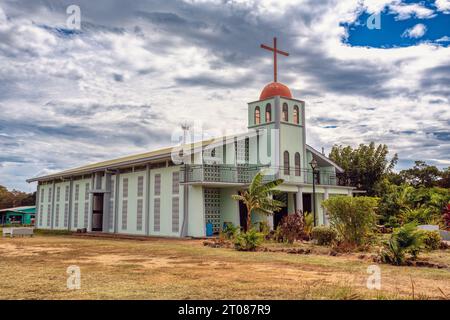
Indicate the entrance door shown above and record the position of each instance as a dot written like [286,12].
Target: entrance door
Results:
[242,215]
[307,202]
[97,212]
[278,216]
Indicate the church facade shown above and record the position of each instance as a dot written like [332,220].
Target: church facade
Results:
[178,191]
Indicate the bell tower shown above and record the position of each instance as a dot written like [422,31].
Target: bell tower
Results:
[281,118]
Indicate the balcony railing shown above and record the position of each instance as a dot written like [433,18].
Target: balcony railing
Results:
[243,174]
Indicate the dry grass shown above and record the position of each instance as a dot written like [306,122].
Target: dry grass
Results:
[35,268]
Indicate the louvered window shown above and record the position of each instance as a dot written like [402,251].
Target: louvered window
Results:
[57,215]
[157,215]
[175,214]
[157,184]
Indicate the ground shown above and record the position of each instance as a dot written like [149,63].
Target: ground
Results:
[35,268]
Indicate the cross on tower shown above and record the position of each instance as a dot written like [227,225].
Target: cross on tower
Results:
[275,51]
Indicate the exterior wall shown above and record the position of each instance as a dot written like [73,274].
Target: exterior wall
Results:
[292,138]
[44,203]
[229,208]
[131,220]
[165,200]
[196,221]
[81,203]
[61,205]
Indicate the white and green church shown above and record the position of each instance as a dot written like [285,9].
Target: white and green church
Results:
[178,191]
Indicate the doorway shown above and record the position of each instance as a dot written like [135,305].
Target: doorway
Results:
[307,202]
[242,215]
[97,212]
[278,216]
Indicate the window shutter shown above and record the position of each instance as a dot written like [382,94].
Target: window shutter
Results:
[75,215]
[124,214]
[66,214]
[57,215]
[157,215]
[140,206]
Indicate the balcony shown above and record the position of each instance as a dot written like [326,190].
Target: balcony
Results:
[243,174]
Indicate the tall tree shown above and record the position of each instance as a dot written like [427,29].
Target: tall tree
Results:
[421,175]
[444,182]
[364,166]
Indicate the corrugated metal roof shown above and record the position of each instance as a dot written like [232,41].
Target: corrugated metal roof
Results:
[118,162]
[18,209]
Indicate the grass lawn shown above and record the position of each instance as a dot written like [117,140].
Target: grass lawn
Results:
[35,268]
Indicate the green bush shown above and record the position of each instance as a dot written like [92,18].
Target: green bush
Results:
[405,240]
[264,228]
[230,231]
[248,241]
[353,218]
[431,239]
[324,235]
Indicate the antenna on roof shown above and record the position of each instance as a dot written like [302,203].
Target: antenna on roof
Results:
[185,126]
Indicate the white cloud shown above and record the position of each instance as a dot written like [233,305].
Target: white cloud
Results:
[61,103]
[443,5]
[443,39]
[406,11]
[418,31]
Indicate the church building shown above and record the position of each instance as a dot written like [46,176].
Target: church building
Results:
[178,191]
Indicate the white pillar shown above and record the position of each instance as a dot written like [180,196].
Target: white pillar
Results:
[325,214]
[299,199]
[270,219]
[350,193]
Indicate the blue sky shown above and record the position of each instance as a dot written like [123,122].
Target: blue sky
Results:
[392,31]
[136,70]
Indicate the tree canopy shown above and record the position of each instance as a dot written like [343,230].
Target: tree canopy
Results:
[364,166]
[15,198]
[423,175]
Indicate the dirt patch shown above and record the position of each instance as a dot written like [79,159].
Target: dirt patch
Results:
[186,269]
[14,250]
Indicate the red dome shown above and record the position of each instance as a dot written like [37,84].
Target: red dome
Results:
[275,89]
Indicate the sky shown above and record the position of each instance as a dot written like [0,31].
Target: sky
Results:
[134,71]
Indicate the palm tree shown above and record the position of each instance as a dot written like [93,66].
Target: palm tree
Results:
[257,198]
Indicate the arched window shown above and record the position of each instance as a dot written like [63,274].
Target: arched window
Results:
[285,112]
[257,115]
[268,113]
[295,114]
[286,162]
[297,164]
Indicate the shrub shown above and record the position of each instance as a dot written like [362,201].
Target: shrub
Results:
[420,215]
[446,216]
[324,235]
[229,231]
[353,218]
[264,228]
[291,227]
[308,219]
[49,232]
[406,239]
[431,239]
[248,241]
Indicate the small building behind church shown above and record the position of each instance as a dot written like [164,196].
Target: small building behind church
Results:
[177,191]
